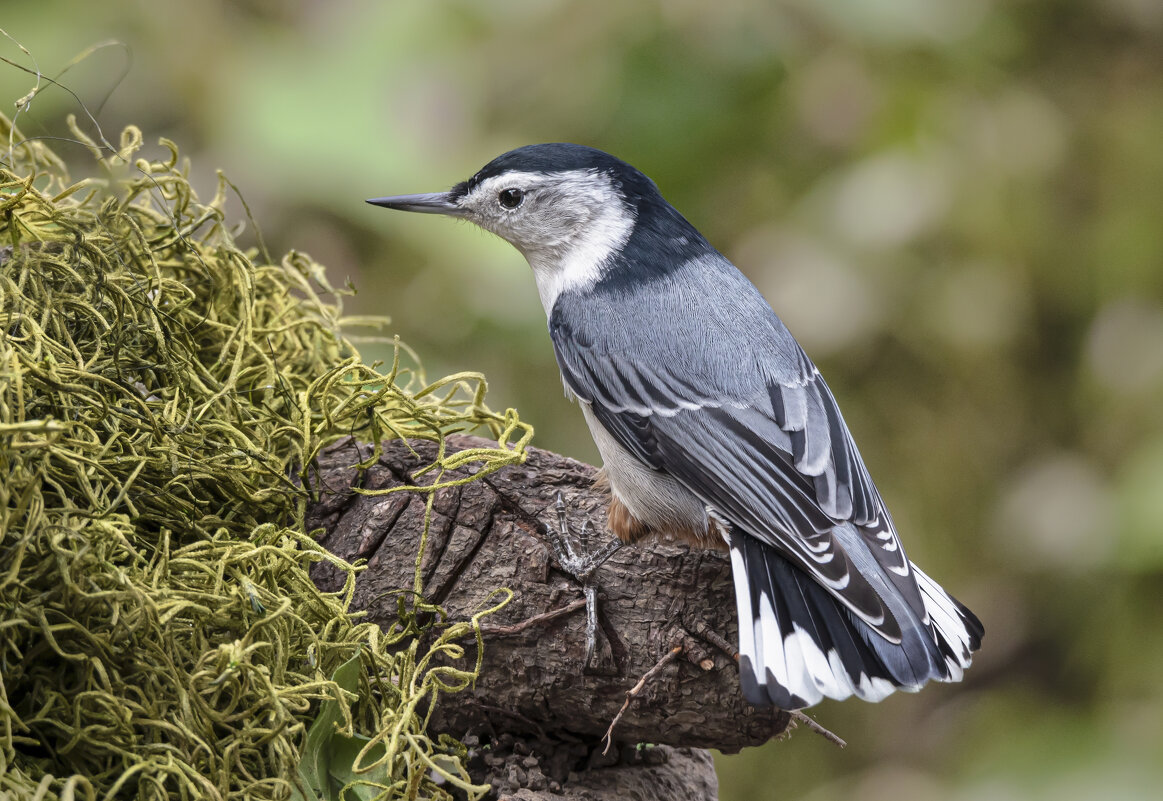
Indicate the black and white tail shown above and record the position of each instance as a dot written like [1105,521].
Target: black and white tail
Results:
[798,644]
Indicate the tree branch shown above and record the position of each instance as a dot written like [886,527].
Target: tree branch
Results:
[490,533]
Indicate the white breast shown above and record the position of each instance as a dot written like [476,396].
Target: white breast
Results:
[654,498]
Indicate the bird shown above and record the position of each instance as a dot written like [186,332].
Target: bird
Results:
[714,425]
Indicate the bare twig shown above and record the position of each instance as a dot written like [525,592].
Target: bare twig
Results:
[716,639]
[668,657]
[816,727]
[501,631]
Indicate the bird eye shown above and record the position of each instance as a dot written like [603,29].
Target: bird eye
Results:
[511,198]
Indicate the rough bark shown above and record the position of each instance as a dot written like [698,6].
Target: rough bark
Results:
[491,533]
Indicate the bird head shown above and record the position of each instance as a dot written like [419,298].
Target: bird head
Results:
[566,207]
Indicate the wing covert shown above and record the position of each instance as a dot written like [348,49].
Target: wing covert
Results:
[764,444]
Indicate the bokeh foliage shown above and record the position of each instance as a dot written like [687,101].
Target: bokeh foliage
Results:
[955,204]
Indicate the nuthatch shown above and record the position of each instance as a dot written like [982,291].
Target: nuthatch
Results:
[713,424]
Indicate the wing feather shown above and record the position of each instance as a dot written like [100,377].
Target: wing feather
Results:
[760,439]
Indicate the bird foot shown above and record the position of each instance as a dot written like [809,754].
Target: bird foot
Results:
[580,562]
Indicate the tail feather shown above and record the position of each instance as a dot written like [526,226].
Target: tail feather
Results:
[798,644]
[958,630]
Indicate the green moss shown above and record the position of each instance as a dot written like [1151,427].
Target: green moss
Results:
[163,396]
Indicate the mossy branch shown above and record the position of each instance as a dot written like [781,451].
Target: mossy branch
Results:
[164,394]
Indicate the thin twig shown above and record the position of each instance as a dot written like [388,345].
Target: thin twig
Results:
[669,656]
[716,639]
[501,631]
[816,727]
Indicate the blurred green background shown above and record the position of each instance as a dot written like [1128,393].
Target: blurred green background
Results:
[956,205]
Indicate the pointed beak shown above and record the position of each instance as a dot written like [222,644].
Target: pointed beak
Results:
[430,203]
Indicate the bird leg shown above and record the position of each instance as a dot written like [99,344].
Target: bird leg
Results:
[581,563]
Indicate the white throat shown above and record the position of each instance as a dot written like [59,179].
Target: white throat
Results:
[580,262]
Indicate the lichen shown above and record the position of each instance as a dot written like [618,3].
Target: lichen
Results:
[163,396]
